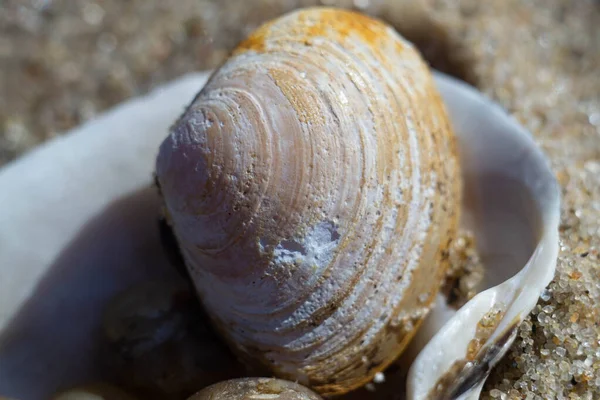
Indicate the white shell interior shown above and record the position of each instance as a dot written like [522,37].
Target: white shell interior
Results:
[78,224]
[512,203]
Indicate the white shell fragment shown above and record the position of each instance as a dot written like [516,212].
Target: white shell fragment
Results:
[47,197]
[512,202]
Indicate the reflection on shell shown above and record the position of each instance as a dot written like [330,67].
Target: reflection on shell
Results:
[313,188]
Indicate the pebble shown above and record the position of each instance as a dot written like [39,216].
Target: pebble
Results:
[159,343]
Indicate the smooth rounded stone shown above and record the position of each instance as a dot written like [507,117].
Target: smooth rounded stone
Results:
[146,316]
[98,391]
[160,345]
[254,389]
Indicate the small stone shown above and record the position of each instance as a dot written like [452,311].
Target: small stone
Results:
[575,275]
[541,318]
[574,317]
[159,343]
[546,295]
[379,377]
[548,309]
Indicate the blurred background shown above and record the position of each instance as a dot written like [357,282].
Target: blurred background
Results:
[64,61]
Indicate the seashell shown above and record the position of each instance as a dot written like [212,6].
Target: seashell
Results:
[512,203]
[255,388]
[313,187]
[516,229]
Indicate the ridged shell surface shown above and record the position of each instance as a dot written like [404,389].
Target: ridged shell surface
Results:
[313,187]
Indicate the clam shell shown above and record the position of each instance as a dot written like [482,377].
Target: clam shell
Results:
[313,186]
[101,234]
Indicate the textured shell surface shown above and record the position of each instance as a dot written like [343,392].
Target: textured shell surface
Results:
[313,187]
[255,389]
